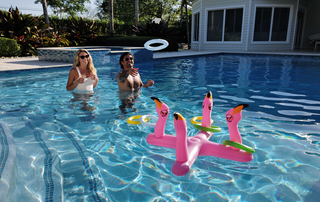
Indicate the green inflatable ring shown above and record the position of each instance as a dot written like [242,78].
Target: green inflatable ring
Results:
[214,129]
[239,146]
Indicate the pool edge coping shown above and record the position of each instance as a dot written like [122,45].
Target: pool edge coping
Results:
[36,64]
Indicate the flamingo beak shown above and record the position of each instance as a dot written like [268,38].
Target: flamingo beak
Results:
[157,101]
[178,116]
[239,108]
[209,95]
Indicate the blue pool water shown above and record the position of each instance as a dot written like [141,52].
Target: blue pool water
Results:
[88,152]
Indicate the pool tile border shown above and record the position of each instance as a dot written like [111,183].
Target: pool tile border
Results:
[100,55]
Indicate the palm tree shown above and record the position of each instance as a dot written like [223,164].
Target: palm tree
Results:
[45,11]
[111,17]
[137,12]
[184,4]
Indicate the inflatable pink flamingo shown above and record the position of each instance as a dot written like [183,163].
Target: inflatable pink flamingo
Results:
[233,116]
[159,138]
[188,148]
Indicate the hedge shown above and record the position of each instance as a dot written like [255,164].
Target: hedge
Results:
[9,47]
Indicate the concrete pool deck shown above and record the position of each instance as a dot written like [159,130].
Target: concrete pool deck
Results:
[29,63]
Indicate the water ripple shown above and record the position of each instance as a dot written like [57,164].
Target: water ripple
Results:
[244,100]
[286,99]
[286,94]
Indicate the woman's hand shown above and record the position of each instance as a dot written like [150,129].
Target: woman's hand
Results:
[81,80]
[94,77]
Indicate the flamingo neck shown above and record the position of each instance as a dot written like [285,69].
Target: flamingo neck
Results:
[159,128]
[206,118]
[234,132]
[160,125]
[181,143]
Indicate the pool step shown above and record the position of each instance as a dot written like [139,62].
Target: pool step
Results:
[38,173]
[8,160]
[51,163]
[82,180]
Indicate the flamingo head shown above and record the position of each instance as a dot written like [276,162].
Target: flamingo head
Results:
[178,116]
[206,110]
[207,102]
[234,115]
[162,108]
[179,121]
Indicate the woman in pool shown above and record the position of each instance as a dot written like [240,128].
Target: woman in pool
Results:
[83,75]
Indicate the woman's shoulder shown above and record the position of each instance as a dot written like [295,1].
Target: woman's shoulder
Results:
[73,70]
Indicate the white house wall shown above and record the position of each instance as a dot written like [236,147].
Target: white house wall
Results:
[219,4]
[274,46]
[246,43]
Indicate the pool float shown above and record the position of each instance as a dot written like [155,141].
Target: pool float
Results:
[146,118]
[153,41]
[238,145]
[210,129]
[132,118]
[189,148]
[195,120]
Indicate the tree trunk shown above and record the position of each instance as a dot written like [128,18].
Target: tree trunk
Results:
[45,11]
[181,13]
[187,21]
[137,12]
[111,17]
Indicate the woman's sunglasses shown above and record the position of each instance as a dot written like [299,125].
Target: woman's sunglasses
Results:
[84,56]
[126,59]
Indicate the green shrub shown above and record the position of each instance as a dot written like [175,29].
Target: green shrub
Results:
[79,32]
[9,47]
[152,29]
[25,29]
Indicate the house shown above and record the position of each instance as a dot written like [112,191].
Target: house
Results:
[254,25]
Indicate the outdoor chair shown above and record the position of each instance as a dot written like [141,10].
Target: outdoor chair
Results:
[316,39]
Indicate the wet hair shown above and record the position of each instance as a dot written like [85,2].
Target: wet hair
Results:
[90,66]
[122,56]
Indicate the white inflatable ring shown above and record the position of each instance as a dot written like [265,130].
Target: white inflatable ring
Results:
[143,122]
[152,41]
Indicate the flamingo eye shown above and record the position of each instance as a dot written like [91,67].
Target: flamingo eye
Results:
[229,118]
[202,106]
[164,113]
[210,107]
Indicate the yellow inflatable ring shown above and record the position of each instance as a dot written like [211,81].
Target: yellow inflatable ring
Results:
[132,118]
[198,118]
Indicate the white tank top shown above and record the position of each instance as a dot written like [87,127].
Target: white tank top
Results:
[87,85]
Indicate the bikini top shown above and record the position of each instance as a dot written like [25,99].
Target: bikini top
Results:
[87,85]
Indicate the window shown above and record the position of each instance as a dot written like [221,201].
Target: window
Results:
[225,25]
[233,25]
[271,24]
[196,23]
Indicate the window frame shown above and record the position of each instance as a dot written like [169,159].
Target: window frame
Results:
[193,28]
[273,6]
[207,10]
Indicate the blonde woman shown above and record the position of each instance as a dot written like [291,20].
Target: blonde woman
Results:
[83,75]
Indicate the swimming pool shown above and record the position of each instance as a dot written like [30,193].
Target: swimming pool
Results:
[67,152]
